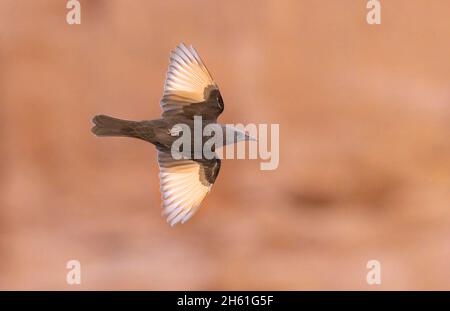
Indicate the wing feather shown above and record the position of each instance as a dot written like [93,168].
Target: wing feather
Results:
[188,84]
[184,185]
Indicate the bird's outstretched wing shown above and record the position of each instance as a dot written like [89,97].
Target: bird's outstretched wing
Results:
[189,89]
[184,185]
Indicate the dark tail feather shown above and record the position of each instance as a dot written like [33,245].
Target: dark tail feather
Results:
[109,126]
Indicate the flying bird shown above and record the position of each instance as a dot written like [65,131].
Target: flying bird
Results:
[189,91]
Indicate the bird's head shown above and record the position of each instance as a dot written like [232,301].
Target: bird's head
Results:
[234,135]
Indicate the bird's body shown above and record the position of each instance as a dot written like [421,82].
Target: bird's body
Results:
[189,93]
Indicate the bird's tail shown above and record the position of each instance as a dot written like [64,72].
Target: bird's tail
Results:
[109,126]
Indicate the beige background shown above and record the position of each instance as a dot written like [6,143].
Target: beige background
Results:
[364,172]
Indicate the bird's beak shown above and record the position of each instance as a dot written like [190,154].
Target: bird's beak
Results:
[250,138]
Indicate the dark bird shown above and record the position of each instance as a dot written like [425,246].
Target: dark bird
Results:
[189,91]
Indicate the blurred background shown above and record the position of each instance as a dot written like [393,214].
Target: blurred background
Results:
[364,168]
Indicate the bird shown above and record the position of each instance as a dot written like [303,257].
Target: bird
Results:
[189,92]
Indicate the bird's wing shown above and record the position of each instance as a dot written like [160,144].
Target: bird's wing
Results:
[184,185]
[189,89]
